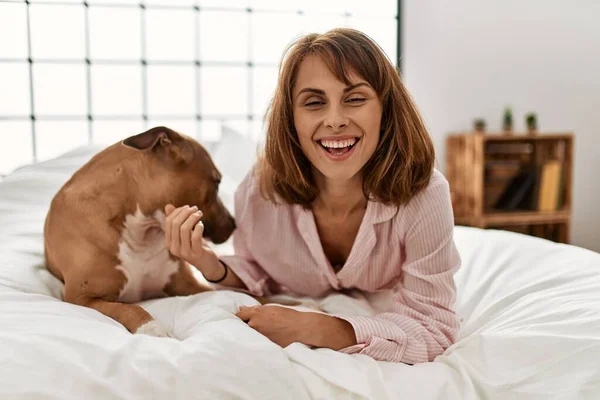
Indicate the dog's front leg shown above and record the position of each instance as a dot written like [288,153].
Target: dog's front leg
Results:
[133,317]
[102,292]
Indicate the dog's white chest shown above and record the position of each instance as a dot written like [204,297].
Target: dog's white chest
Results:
[144,258]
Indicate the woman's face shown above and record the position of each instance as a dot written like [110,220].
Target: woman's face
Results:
[338,125]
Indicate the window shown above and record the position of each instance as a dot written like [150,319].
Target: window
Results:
[111,68]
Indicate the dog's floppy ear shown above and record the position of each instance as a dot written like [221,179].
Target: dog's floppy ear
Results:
[164,141]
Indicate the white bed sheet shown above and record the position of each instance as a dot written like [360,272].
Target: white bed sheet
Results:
[531,330]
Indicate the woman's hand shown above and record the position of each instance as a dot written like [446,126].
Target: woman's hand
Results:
[183,231]
[183,237]
[281,325]
[285,326]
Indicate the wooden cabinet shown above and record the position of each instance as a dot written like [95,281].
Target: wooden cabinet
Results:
[517,182]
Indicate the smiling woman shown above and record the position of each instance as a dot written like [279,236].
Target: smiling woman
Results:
[336,87]
[345,197]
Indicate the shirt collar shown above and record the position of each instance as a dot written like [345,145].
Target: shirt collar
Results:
[378,212]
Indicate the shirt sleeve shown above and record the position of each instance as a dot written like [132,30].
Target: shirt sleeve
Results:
[243,263]
[421,324]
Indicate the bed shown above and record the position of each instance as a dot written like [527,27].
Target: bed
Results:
[530,308]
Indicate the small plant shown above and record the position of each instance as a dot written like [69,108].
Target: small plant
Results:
[507,121]
[479,125]
[531,122]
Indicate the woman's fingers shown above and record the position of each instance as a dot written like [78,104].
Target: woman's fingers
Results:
[179,217]
[169,225]
[245,313]
[197,240]
[186,233]
[169,208]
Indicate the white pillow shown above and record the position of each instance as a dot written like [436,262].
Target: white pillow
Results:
[234,155]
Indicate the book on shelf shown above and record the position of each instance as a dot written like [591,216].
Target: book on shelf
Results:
[517,193]
[534,188]
[549,195]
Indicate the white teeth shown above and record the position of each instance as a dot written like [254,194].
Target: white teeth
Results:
[338,144]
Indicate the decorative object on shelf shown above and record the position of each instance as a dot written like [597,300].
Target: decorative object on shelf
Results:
[531,122]
[479,125]
[507,120]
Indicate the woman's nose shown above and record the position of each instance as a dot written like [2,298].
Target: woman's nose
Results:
[336,119]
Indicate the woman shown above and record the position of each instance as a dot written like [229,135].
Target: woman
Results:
[345,196]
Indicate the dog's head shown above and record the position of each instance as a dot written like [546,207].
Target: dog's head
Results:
[181,172]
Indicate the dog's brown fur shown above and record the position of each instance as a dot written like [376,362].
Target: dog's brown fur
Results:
[84,225]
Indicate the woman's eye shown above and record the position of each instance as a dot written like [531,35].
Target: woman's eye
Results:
[356,100]
[314,103]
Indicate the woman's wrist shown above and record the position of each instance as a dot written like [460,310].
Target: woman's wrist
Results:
[211,267]
[216,271]
[224,273]
[326,331]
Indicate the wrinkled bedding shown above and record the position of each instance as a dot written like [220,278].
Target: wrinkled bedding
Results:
[531,330]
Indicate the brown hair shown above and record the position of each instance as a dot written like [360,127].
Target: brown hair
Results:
[402,163]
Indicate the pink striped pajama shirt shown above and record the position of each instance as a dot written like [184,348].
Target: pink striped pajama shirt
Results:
[409,249]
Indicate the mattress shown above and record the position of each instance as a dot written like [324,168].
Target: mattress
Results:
[530,309]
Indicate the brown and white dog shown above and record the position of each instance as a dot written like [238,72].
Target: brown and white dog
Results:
[104,234]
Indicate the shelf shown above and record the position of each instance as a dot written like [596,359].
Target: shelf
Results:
[515,136]
[480,166]
[525,217]
[491,137]
[516,218]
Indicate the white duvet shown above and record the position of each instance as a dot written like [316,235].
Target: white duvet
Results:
[531,330]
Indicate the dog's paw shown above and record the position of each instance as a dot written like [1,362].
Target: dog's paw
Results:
[154,328]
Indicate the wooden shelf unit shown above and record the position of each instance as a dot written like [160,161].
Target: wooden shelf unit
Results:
[480,167]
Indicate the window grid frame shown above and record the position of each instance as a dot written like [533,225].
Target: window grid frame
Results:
[196,62]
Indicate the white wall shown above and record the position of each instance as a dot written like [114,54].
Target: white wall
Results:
[470,58]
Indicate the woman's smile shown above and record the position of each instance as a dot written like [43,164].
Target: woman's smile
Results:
[338,149]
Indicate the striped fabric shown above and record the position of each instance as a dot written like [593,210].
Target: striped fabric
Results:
[408,249]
